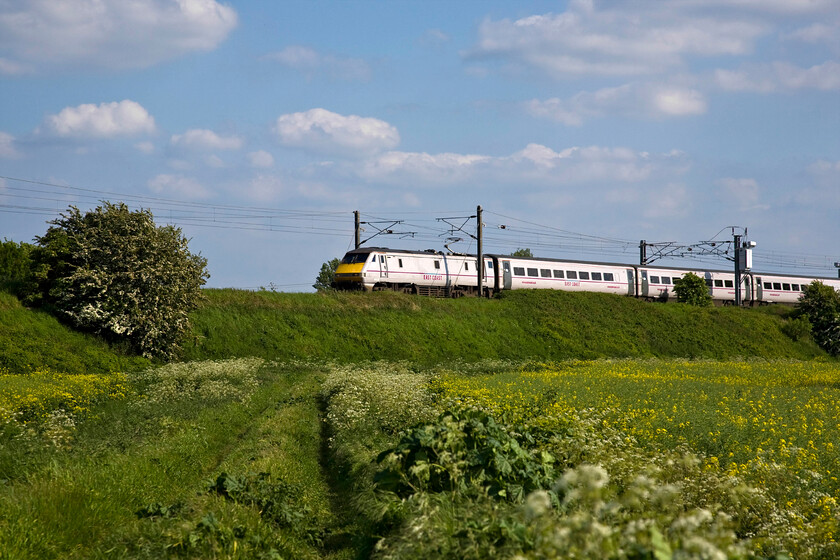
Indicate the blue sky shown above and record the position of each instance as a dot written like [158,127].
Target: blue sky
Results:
[582,127]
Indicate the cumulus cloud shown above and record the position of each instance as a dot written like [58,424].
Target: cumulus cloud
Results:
[311,63]
[629,100]
[780,76]
[322,131]
[628,39]
[7,146]
[261,158]
[145,147]
[202,139]
[110,33]
[106,120]
[178,186]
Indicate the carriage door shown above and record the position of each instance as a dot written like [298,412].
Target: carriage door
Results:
[631,282]
[508,282]
[383,266]
[759,290]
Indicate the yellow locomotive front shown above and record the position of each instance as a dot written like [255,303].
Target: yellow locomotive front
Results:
[350,273]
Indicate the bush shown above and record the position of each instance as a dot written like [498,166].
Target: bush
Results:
[821,305]
[14,265]
[324,280]
[692,289]
[114,272]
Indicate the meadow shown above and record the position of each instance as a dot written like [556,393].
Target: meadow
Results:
[277,450]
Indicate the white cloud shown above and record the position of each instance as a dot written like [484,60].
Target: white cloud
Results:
[744,192]
[145,147]
[535,165]
[110,33]
[7,146]
[202,139]
[214,161]
[322,131]
[178,185]
[123,118]
[819,33]
[671,201]
[629,100]
[265,188]
[261,158]
[310,62]
[628,39]
[780,76]
[426,168]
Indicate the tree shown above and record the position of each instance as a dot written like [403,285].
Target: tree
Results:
[112,271]
[522,253]
[325,278]
[821,305]
[14,264]
[692,289]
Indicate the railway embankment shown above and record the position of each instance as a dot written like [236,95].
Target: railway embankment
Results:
[537,325]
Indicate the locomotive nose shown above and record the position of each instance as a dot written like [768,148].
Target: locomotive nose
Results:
[347,274]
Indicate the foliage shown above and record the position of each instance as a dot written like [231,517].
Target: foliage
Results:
[114,272]
[692,289]
[821,305]
[14,264]
[326,276]
[526,252]
[464,449]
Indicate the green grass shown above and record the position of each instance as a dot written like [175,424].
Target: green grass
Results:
[32,339]
[539,325]
[134,481]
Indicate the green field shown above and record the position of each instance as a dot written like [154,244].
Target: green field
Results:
[385,426]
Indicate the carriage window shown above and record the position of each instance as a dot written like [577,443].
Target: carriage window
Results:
[666,280]
[490,265]
[583,275]
[466,266]
[654,279]
[795,287]
[709,282]
[518,271]
[533,272]
[596,275]
[718,283]
[729,283]
[777,285]
[437,264]
[373,259]
[545,273]
[558,274]
[400,261]
[786,287]
[608,276]
[768,286]
[571,275]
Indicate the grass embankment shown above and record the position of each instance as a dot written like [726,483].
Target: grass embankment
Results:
[33,339]
[544,325]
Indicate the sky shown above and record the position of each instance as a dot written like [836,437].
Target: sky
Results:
[579,127]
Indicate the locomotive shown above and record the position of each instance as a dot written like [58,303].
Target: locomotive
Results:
[434,273]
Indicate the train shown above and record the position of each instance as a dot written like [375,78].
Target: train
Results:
[439,274]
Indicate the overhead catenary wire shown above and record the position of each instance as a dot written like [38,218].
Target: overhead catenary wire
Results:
[502,232]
